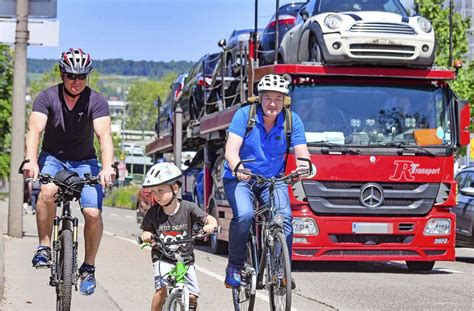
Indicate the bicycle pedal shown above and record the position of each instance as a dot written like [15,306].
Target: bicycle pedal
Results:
[43,267]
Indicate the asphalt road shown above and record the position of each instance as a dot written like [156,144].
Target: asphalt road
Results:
[340,285]
[125,279]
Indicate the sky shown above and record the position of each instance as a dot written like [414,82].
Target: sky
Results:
[158,30]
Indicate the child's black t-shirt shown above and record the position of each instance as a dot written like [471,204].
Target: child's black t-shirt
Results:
[173,227]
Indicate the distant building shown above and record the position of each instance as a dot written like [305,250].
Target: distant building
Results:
[117,110]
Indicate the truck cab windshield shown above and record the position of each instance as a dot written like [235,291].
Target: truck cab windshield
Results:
[373,115]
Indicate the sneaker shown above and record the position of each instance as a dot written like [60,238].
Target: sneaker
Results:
[232,277]
[88,283]
[42,257]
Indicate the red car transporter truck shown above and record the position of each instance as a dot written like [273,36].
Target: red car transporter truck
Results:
[383,141]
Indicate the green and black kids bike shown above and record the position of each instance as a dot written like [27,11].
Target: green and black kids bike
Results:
[178,294]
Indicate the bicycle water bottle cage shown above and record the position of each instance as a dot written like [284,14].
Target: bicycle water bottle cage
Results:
[68,178]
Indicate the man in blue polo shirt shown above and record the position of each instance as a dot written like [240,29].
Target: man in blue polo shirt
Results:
[266,143]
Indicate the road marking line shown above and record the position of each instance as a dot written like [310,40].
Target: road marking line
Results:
[113,214]
[214,275]
[129,217]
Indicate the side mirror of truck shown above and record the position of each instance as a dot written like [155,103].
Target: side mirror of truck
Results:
[463,116]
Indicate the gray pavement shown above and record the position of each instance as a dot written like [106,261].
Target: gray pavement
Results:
[28,289]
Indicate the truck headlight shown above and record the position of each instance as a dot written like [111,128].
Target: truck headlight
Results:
[333,21]
[424,24]
[438,226]
[303,225]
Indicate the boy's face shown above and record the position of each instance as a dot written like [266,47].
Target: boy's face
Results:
[163,193]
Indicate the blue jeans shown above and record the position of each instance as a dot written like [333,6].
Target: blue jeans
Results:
[241,196]
[91,197]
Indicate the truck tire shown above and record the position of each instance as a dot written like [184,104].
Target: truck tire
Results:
[420,266]
[217,246]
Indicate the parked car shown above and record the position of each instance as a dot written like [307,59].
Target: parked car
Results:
[286,20]
[164,123]
[465,208]
[199,78]
[376,32]
[233,49]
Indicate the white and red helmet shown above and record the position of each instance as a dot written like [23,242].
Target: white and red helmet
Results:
[75,61]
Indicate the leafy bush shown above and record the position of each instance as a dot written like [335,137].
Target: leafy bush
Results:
[124,197]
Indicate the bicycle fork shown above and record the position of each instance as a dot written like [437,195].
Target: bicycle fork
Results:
[56,250]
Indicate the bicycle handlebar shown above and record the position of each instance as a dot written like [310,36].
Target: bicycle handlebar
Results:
[46,178]
[201,234]
[287,178]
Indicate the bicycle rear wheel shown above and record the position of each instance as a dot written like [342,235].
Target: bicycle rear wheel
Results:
[279,274]
[244,296]
[65,271]
[174,302]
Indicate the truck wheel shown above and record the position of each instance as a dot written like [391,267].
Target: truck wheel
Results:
[420,266]
[217,246]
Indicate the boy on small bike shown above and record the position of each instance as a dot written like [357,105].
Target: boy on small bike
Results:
[172,219]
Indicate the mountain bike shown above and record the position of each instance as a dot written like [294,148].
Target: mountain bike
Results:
[64,245]
[178,294]
[268,261]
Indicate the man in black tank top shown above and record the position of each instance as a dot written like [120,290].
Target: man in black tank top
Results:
[69,114]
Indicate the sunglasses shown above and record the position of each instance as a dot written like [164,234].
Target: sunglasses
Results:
[72,76]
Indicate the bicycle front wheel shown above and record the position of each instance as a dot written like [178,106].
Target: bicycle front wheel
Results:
[279,274]
[66,273]
[244,296]
[174,302]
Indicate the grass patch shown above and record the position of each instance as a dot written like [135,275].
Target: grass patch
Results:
[125,197]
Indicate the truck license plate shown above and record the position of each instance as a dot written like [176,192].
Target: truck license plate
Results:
[371,227]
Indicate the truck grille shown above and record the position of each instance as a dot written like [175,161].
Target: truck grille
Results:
[370,252]
[382,50]
[373,239]
[358,185]
[391,28]
[346,198]
[305,252]
[435,252]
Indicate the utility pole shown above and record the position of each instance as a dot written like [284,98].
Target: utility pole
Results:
[15,208]
[450,57]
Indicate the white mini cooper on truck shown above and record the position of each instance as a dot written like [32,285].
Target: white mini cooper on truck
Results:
[373,32]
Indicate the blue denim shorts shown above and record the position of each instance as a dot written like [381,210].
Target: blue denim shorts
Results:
[91,197]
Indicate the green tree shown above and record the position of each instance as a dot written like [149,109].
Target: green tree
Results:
[6,91]
[141,96]
[438,14]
